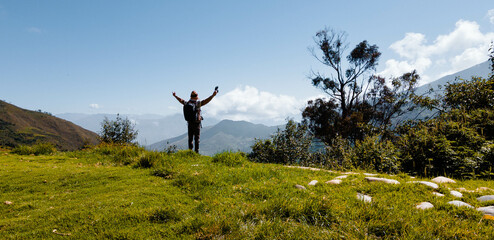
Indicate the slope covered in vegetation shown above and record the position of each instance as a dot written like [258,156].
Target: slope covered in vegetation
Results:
[21,126]
[129,193]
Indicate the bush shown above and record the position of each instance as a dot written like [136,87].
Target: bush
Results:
[149,159]
[288,146]
[231,159]
[443,146]
[375,154]
[263,151]
[118,131]
[336,156]
[22,150]
[487,161]
[38,149]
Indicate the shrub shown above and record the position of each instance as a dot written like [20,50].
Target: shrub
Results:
[487,161]
[149,159]
[263,151]
[118,131]
[22,150]
[44,149]
[288,146]
[231,159]
[442,147]
[38,149]
[375,154]
[163,215]
[336,156]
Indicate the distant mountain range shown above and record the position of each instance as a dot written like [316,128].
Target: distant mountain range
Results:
[226,135]
[21,126]
[479,70]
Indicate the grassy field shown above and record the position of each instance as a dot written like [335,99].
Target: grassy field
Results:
[107,193]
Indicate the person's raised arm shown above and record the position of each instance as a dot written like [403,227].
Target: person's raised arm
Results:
[178,99]
[207,100]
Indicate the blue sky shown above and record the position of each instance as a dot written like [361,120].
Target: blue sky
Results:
[129,56]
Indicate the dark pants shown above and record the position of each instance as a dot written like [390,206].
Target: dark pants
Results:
[194,130]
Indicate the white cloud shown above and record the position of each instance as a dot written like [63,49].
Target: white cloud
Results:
[94,106]
[490,15]
[464,47]
[249,104]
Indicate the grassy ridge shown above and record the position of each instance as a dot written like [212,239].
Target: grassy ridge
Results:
[95,194]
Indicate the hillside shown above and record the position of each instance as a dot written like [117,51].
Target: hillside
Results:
[479,70]
[91,195]
[226,135]
[21,126]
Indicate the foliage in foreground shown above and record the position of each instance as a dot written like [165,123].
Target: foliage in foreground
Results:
[459,142]
[37,149]
[188,196]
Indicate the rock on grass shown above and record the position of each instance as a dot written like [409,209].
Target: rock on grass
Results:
[384,180]
[443,180]
[424,205]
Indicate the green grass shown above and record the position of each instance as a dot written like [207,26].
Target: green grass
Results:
[109,193]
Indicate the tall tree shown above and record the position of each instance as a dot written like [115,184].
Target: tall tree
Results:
[358,102]
[347,85]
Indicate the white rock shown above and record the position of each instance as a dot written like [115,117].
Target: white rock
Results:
[443,180]
[481,189]
[487,210]
[8,203]
[384,180]
[370,174]
[438,194]
[486,198]
[365,198]
[334,181]
[456,194]
[341,177]
[429,184]
[460,204]
[300,187]
[313,183]
[425,205]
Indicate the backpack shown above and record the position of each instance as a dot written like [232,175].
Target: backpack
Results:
[192,111]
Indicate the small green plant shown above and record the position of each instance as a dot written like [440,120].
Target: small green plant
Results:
[170,148]
[163,172]
[22,150]
[149,159]
[119,154]
[163,215]
[38,149]
[231,159]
